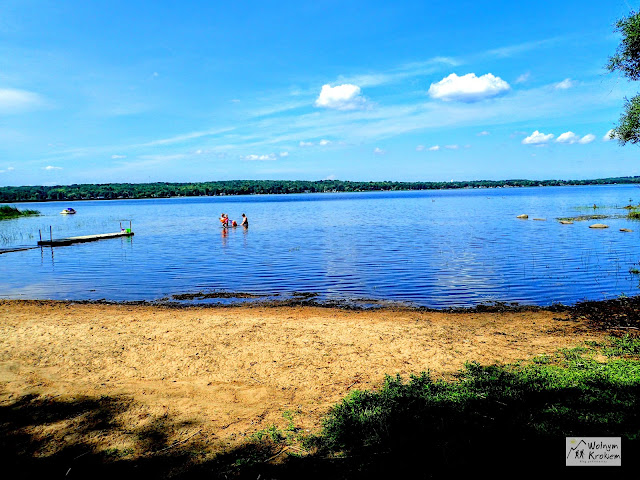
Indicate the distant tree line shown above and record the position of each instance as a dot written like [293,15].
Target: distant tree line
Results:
[111,191]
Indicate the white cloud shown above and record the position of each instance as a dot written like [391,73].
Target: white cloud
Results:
[324,142]
[184,137]
[451,147]
[16,101]
[607,136]
[565,84]
[306,144]
[519,49]
[468,88]
[270,156]
[570,137]
[435,148]
[420,148]
[523,78]
[483,134]
[378,151]
[284,154]
[587,139]
[116,157]
[567,137]
[340,97]
[51,167]
[537,138]
[159,158]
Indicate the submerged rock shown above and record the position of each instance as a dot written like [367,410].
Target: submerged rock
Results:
[523,216]
[566,222]
[626,230]
[598,225]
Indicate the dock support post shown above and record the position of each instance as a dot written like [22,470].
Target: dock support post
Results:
[50,234]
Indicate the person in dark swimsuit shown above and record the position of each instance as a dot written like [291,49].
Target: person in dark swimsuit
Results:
[245,221]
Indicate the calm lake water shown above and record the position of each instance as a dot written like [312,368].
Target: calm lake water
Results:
[427,248]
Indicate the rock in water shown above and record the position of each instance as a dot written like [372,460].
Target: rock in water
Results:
[598,225]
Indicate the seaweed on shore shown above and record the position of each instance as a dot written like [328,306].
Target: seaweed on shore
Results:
[621,314]
[202,295]
[582,218]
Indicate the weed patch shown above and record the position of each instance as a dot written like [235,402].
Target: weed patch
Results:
[495,410]
[7,212]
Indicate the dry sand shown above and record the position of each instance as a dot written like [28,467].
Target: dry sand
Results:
[224,373]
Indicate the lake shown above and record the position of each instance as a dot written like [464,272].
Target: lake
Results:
[435,248]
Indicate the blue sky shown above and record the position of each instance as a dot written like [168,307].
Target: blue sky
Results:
[133,91]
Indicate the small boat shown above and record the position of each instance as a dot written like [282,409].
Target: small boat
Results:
[68,211]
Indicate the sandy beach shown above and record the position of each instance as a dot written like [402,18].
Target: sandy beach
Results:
[221,374]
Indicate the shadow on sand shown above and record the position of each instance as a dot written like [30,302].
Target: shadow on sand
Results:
[54,438]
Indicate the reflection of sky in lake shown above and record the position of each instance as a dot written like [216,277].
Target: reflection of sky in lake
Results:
[432,248]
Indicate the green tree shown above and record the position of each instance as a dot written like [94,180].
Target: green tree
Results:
[627,61]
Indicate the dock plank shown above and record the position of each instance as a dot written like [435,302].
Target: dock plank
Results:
[57,242]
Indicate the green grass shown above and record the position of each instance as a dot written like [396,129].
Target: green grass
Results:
[634,214]
[7,212]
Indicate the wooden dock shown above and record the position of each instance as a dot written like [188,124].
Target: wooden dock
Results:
[15,249]
[59,242]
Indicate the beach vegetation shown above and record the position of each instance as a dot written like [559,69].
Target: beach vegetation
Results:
[572,392]
[7,211]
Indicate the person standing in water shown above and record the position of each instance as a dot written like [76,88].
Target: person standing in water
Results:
[245,221]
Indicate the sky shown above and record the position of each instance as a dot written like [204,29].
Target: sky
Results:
[146,91]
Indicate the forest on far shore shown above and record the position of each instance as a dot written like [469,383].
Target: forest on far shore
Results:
[109,191]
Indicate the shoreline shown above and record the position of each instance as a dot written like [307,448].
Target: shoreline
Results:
[304,299]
